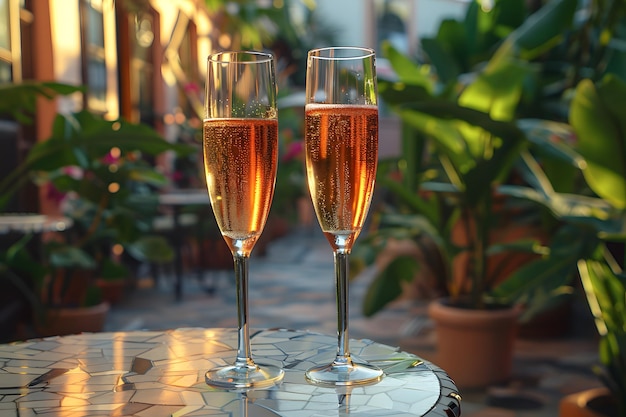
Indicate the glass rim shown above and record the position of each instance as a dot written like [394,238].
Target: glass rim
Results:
[233,57]
[361,52]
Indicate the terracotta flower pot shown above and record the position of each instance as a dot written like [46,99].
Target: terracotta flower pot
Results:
[112,290]
[475,347]
[63,321]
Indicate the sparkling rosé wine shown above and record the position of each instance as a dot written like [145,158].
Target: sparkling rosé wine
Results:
[241,157]
[341,157]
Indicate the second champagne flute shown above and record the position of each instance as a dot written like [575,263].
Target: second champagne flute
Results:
[240,146]
[341,142]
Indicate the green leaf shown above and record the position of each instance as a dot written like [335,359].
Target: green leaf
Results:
[386,286]
[554,270]
[18,260]
[111,270]
[596,277]
[65,256]
[558,162]
[408,71]
[445,64]
[497,90]
[397,93]
[543,29]
[591,212]
[427,207]
[20,100]
[522,245]
[151,249]
[148,175]
[83,137]
[599,119]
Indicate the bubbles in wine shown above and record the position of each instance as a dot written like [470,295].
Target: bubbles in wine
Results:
[240,167]
[342,153]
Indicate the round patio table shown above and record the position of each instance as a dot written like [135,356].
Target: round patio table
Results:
[24,223]
[161,373]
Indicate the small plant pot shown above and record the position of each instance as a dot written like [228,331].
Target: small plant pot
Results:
[112,290]
[475,347]
[64,321]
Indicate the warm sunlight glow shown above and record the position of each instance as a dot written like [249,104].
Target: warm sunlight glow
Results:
[169,119]
[114,187]
[224,40]
[180,118]
[486,5]
[117,249]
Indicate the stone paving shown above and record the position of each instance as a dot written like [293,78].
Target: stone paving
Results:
[292,287]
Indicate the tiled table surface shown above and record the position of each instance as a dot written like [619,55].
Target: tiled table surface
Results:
[154,373]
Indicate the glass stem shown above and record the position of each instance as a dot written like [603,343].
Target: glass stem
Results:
[244,358]
[341,281]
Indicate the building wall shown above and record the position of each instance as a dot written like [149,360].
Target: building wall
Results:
[66,45]
[355,20]
[65,27]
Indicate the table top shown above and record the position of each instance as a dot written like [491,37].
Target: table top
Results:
[161,373]
[24,223]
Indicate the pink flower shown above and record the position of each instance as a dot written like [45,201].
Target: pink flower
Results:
[53,194]
[191,88]
[110,159]
[73,171]
[294,150]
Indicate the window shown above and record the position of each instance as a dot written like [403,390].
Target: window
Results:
[5,42]
[393,24]
[94,63]
[189,78]
[137,26]
[12,14]
[142,69]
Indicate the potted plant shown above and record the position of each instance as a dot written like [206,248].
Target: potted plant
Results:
[110,195]
[596,215]
[605,285]
[467,144]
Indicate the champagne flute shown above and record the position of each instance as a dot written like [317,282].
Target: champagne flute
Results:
[341,142]
[240,147]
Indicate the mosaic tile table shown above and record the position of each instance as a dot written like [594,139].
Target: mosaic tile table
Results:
[153,374]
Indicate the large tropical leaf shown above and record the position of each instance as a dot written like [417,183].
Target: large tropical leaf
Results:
[150,248]
[548,274]
[598,116]
[497,90]
[20,100]
[96,137]
[387,285]
[551,142]
[542,30]
[605,291]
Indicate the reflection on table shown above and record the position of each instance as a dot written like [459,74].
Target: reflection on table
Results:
[154,373]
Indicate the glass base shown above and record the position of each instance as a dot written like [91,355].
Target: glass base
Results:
[344,374]
[233,376]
